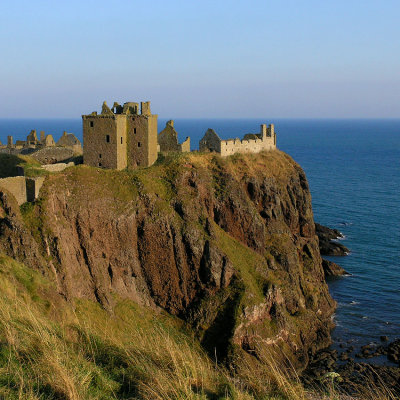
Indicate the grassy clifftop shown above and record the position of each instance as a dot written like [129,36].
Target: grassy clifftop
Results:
[9,165]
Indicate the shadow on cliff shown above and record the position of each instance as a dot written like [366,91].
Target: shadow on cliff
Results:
[10,165]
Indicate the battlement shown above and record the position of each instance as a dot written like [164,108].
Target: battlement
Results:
[129,108]
[251,143]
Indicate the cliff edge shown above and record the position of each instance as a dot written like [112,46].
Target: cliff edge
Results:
[227,245]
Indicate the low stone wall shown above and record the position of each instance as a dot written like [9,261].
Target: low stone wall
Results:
[232,146]
[16,186]
[57,167]
[52,155]
[33,186]
[22,188]
[185,146]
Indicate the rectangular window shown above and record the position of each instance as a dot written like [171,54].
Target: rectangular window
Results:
[99,155]
[91,124]
[139,144]
[121,140]
[99,164]
[108,138]
[134,130]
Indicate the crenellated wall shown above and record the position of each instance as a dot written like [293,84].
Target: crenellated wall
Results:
[251,143]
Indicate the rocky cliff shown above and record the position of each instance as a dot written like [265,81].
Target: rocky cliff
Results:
[227,245]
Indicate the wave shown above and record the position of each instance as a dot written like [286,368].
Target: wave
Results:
[345,223]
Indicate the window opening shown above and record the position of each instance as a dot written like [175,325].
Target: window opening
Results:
[108,138]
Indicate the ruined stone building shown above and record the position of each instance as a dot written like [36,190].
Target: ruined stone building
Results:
[70,141]
[168,140]
[44,149]
[31,142]
[120,137]
[251,143]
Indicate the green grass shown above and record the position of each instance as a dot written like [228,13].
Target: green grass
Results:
[251,266]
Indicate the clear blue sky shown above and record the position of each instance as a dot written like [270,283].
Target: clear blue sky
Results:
[204,58]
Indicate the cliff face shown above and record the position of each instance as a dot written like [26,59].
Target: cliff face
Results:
[227,245]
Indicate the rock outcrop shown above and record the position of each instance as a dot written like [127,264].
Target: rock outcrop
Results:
[327,244]
[227,245]
[332,270]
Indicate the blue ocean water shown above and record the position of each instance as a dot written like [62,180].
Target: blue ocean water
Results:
[353,168]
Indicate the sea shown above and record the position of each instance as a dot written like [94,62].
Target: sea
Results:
[353,169]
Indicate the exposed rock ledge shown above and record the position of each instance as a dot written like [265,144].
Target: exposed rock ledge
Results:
[227,245]
[327,244]
[331,269]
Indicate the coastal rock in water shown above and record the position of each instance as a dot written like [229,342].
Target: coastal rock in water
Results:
[327,233]
[327,245]
[228,245]
[331,269]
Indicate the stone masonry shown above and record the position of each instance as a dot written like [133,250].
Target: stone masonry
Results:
[44,149]
[22,188]
[168,140]
[251,143]
[120,137]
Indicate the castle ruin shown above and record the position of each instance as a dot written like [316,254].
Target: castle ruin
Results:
[44,149]
[251,143]
[168,140]
[120,137]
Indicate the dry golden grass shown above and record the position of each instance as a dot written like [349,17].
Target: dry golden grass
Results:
[51,350]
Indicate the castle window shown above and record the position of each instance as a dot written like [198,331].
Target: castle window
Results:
[99,164]
[134,130]
[121,140]
[99,155]
[91,124]
[139,144]
[108,138]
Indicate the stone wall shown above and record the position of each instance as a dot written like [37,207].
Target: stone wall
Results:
[252,142]
[168,140]
[58,167]
[232,146]
[100,141]
[185,146]
[120,138]
[52,155]
[16,186]
[33,186]
[22,188]
[210,142]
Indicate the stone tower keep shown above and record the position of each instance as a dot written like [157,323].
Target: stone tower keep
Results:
[120,136]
